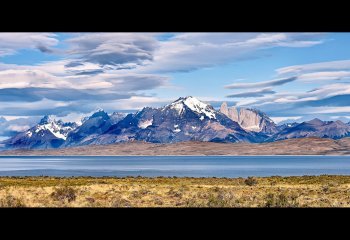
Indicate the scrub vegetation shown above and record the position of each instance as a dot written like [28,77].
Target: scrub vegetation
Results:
[271,192]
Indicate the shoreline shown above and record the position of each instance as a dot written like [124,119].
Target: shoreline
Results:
[272,155]
[173,177]
[296,147]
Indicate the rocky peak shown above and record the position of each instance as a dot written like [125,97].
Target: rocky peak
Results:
[250,119]
[338,122]
[224,108]
[47,119]
[116,117]
[100,113]
[315,128]
[231,112]
[316,121]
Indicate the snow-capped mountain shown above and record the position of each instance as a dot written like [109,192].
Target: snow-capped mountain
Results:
[186,119]
[315,128]
[92,126]
[250,119]
[58,128]
[196,106]
[48,133]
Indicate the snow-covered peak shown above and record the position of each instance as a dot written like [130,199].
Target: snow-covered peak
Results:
[195,105]
[54,128]
[100,113]
[47,119]
[58,128]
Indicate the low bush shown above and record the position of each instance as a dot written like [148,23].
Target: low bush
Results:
[64,193]
[281,200]
[173,193]
[11,202]
[158,201]
[223,199]
[119,202]
[250,181]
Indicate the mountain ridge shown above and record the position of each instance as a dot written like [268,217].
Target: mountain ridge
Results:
[185,119]
[315,128]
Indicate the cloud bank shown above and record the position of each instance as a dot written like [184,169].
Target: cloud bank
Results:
[126,71]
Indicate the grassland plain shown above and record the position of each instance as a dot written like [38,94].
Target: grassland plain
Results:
[305,191]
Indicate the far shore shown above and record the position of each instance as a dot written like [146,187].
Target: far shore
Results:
[301,146]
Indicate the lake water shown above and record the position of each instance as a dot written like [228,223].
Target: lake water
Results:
[180,166]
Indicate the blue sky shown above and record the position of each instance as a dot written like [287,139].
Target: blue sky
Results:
[290,76]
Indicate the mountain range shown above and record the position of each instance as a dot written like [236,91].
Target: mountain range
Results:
[186,119]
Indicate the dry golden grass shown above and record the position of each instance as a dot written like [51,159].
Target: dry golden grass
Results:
[307,191]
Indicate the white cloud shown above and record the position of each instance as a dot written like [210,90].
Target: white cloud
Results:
[324,76]
[337,117]
[10,43]
[55,75]
[135,103]
[331,110]
[18,128]
[10,118]
[42,104]
[255,93]
[112,49]
[270,83]
[328,90]
[191,51]
[16,124]
[113,69]
[282,119]
[247,102]
[325,91]
[315,67]
[30,78]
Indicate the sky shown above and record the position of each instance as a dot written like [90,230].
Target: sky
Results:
[289,76]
